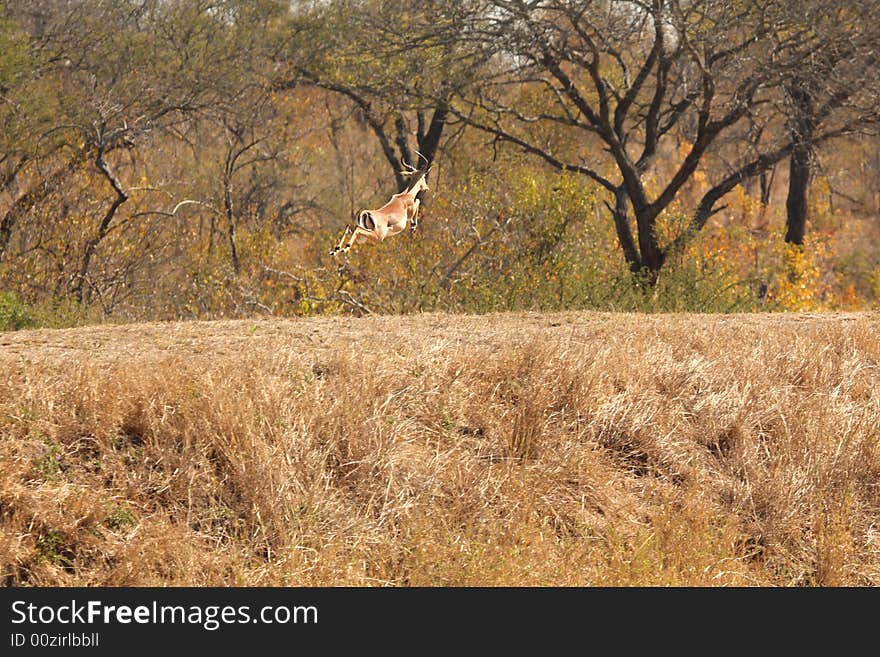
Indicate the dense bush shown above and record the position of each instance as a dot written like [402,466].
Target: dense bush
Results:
[14,314]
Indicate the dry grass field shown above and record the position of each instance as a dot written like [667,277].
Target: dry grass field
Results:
[515,449]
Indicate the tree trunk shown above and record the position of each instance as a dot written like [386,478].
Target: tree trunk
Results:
[624,232]
[766,183]
[402,142]
[801,126]
[230,219]
[800,168]
[429,140]
[652,255]
[647,257]
[92,244]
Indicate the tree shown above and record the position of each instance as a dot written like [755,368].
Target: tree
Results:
[118,76]
[381,58]
[840,78]
[26,107]
[603,88]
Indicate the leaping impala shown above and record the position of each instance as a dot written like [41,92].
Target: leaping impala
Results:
[390,219]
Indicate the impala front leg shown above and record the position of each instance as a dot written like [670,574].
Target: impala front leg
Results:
[414,219]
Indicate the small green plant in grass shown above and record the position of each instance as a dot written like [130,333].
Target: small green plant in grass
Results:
[49,465]
[50,546]
[120,516]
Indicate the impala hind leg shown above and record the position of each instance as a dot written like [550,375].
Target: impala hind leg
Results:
[356,232]
[345,233]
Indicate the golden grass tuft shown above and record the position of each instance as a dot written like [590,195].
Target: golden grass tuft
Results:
[514,449]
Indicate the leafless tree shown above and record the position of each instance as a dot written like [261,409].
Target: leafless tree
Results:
[397,67]
[604,87]
[838,82]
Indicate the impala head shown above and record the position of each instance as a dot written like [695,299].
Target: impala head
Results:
[419,181]
[418,177]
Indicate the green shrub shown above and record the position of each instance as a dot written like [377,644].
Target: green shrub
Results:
[14,313]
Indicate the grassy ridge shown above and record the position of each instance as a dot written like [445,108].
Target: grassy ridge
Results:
[563,449]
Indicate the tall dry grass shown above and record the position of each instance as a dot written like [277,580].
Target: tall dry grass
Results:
[566,449]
